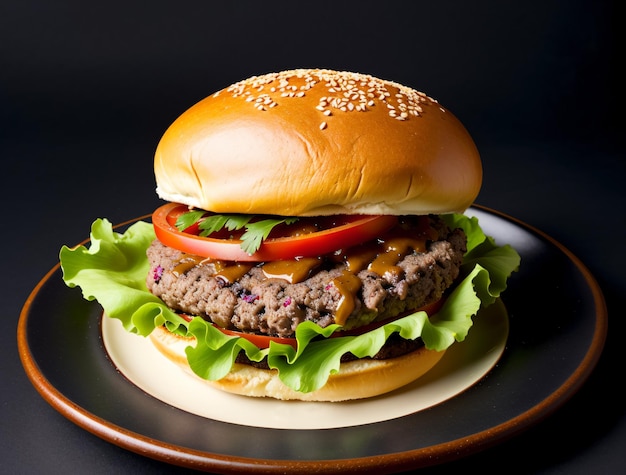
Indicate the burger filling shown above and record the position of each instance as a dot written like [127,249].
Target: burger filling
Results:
[377,280]
[410,266]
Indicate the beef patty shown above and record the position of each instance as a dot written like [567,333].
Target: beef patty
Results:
[252,302]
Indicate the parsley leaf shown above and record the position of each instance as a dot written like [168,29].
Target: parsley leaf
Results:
[187,219]
[253,236]
[215,222]
[257,231]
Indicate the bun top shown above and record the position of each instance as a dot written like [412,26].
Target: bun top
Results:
[317,142]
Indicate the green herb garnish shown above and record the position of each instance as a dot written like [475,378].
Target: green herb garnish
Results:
[113,272]
[188,219]
[253,236]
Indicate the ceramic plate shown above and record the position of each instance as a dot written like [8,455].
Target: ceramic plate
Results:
[526,367]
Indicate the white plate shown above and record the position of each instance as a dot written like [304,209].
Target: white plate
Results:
[462,366]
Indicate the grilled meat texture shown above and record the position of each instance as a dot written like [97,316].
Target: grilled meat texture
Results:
[275,307]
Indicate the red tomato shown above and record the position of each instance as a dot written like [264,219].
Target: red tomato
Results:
[263,341]
[337,232]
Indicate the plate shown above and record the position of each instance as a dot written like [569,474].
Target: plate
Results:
[551,350]
[460,367]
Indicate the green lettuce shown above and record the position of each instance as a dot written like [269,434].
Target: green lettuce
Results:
[113,270]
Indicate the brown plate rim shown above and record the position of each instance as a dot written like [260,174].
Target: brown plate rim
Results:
[381,463]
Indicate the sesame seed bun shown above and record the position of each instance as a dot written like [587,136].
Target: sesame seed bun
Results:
[318,142]
[357,379]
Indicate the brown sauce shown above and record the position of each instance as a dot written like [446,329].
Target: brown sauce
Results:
[233,272]
[291,270]
[348,284]
[394,250]
[186,263]
[381,257]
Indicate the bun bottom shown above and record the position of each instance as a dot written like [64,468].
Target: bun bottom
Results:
[357,379]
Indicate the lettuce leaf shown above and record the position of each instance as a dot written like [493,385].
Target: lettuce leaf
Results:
[113,271]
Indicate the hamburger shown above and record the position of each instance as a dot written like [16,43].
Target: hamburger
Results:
[312,244]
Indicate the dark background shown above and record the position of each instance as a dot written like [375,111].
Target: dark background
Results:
[86,91]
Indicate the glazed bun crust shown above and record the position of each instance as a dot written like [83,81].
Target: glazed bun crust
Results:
[355,380]
[318,142]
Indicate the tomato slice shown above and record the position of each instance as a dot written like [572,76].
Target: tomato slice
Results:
[338,232]
[263,341]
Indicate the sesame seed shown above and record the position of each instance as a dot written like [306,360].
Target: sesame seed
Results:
[342,91]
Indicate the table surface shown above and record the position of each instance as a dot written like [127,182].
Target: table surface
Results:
[61,173]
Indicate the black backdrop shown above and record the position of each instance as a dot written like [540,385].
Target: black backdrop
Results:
[87,89]
[539,69]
